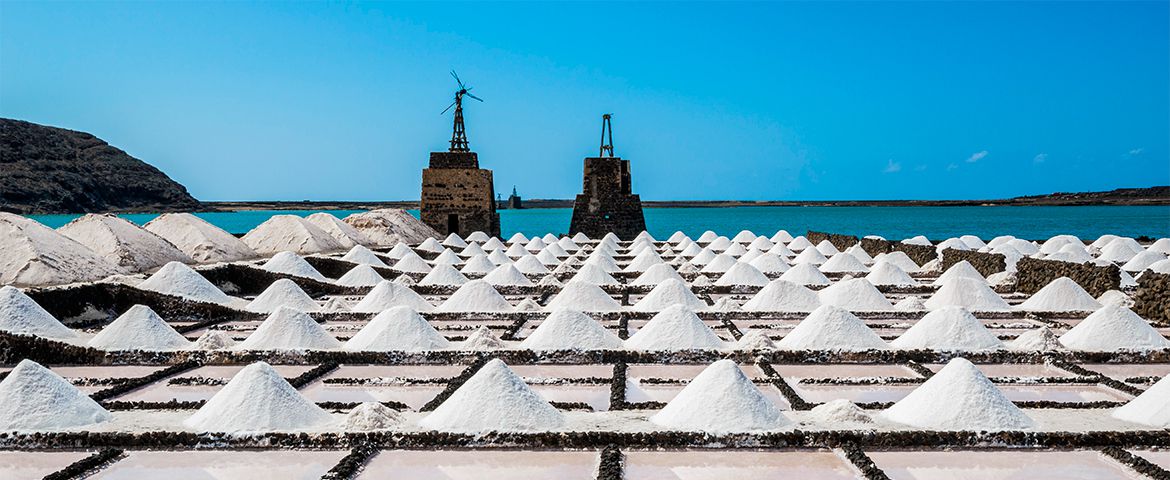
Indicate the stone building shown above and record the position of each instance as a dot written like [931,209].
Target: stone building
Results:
[458,196]
[514,202]
[607,203]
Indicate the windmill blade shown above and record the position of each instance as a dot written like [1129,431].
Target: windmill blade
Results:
[448,108]
[457,80]
[473,96]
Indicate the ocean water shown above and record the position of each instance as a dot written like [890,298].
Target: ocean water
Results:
[1035,223]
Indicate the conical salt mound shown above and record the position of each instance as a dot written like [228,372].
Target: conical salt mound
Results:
[974,295]
[290,233]
[1151,408]
[412,263]
[288,329]
[958,397]
[667,293]
[257,400]
[783,296]
[343,232]
[139,328]
[494,399]
[477,264]
[951,329]
[202,241]
[387,294]
[364,256]
[476,296]
[886,273]
[506,274]
[34,398]
[595,274]
[292,264]
[122,242]
[21,315]
[1038,340]
[855,294]
[1113,328]
[675,328]
[283,293]
[910,304]
[844,263]
[742,273]
[720,399]
[370,416]
[1061,295]
[360,276]
[443,274]
[571,330]
[180,280]
[656,274]
[646,259]
[805,274]
[963,269]
[214,340]
[480,339]
[755,340]
[397,329]
[585,297]
[831,328]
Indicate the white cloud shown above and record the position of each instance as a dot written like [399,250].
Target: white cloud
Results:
[1135,152]
[977,156]
[952,166]
[892,167]
[1040,158]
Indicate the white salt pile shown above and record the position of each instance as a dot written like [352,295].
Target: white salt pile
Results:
[571,330]
[1037,340]
[1161,245]
[719,244]
[886,273]
[799,243]
[431,245]
[958,397]
[783,296]
[290,233]
[585,297]
[478,264]
[1116,297]
[404,280]
[580,237]
[855,294]
[755,340]
[910,304]
[707,237]
[1061,295]
[726,304]
[370,416]
[360,276]
[782,236]
[704,257]
[1151,408]
[476,296]
[387,294]
[139,328]
[839,411]
[412,263]
[974,295]
[1113,328]
[529,264]
[761,243]
[400,250]
[860,254]
[831,328]
[898,258]
[719,264]
[34,398]
[844,263]
[443,274]
[950,329]
[288,329]
[917,240]
[805,274]
[397,329]
[454,240]
[480,339]
[472,250]
[32,254]
[214,340]
[516,250]
[674,328]
[447,257]
[770,263]
[963,269]
[720,399]
[1120,250]
[517,238]
[388,226]
[180,280]
[257,399]
[343,232]
[493,244]
[122,243]
[361,255]
[735,250]
[528,305]
[781,251]
[654,275]
[669,292]
[701,281]
[810,256]
[494,399]
[742,273]
[1143,260]
[506,274]
[283,293]
[198,239]
[21,315]
[827,248]
[290,263]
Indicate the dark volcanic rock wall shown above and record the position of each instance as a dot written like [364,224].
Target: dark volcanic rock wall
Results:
[1152,300]
[1033,274]
[54,170]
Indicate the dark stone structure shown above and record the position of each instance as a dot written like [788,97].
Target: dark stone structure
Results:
[874,246]
[607,203]
[514,202]
[841,242]
[1152,300]
[985,263]
[458,196]
[1033,274]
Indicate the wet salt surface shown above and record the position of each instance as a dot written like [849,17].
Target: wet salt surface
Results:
[482,464]
[996,465]
[1014,370]
[1123,371]
[843,371]
[682,372]
[1014,392]
[414,396]
[201,465]
[35,465]
[1160,458]
[722,465]
[162,391]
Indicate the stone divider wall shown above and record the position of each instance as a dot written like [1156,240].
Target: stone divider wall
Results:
[985,263]
[1033,274]
[838,240]
[921,254]
[1152,300]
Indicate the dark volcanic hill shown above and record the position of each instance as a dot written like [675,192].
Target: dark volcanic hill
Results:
[54,170]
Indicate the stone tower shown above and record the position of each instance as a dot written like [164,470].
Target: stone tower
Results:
[607,202]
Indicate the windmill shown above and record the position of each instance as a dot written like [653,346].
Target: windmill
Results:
[606,130]
[459,134]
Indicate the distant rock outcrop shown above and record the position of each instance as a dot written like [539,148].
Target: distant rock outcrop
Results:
[54,170]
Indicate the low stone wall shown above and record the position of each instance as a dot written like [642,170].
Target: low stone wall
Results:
[921,254]
[838,240]
[1152,300]
[985,263]
[242,280]
[1033,274]
[874,246]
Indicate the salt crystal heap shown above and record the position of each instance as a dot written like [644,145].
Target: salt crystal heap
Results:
[855,294]
[831,328]
[214,340]
[122,243]
[720,399]
[571,330]
[257,399]
[742,273]
[21,315]
[494,399]
[644,260]
[480,339]
[1151,408]
[962,269]
[443,274]
[667,293]
[585,297]
[343,232]
[755,340]
[783,296]
[397,329]
[198,239]
[948,328]
[370,416]
[958,397]
[34,398]
[506,274]
[1037,340]
[32,254]
[844,263]
[388,226]
[387,294]
[180,280]
[360,276]
[652,276]
[1061,295]
[290,233]
[290,263]
[770,263]
[805,274]
[1116,297]
[1113,328]
[476,296]
[283,293]
[479,263]
[839,411]
[887,273]
[674,328]
[972,294]
[362,255]
[288,329]
[139,328]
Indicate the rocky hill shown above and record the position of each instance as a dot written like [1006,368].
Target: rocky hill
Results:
[53,170]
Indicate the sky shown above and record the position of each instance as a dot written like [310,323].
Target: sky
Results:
[744,101]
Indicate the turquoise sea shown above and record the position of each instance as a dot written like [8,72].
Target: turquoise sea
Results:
[890,222]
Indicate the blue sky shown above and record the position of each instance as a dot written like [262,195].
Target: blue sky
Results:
[801,101]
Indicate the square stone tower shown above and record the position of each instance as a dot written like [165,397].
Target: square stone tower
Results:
[458,196]
[607,203]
